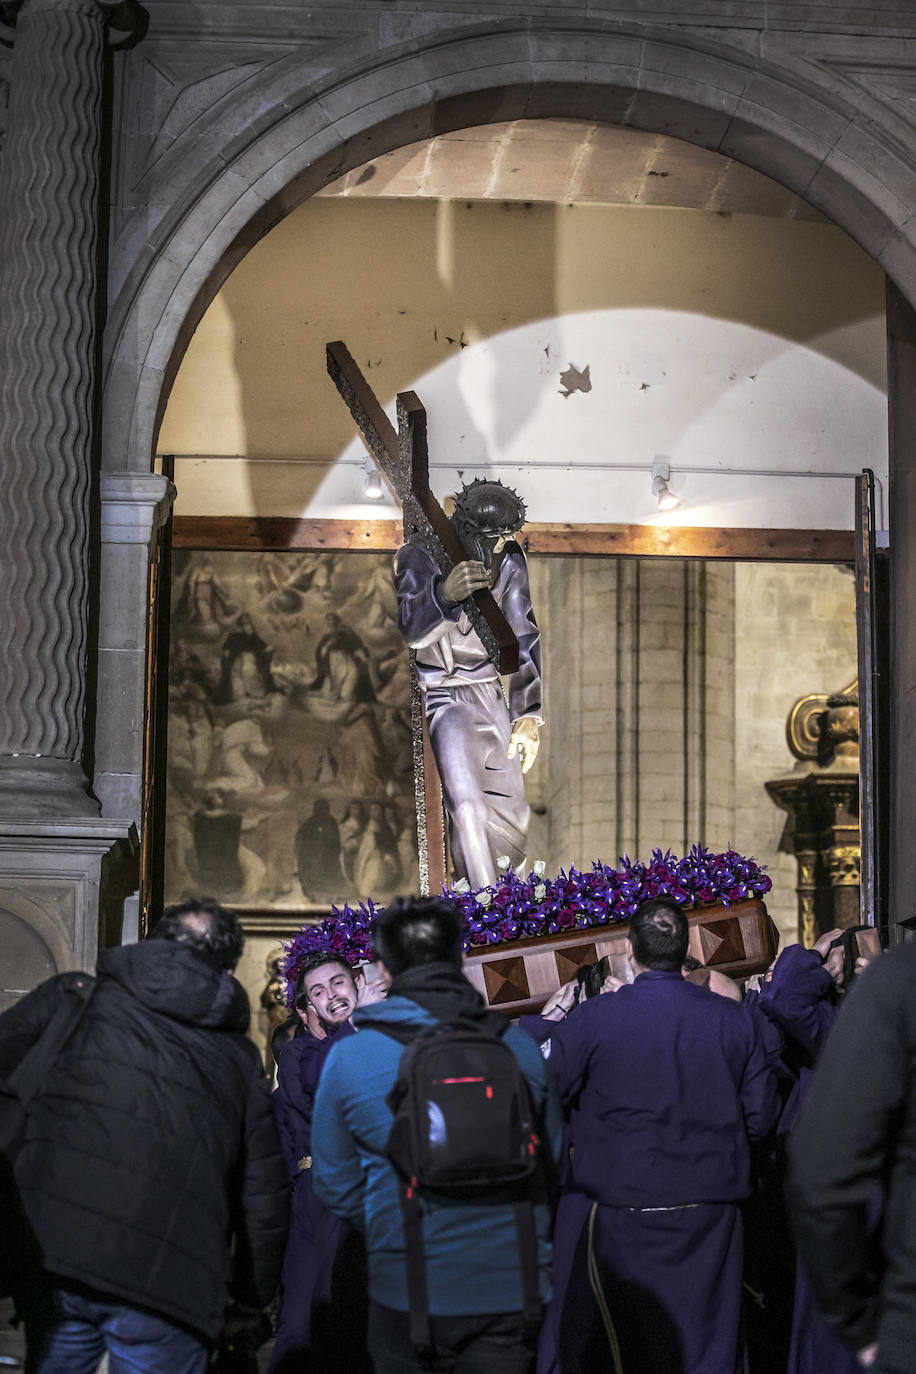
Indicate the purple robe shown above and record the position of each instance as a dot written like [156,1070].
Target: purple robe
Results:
[799,1001]
[666,1085]
[468,718]
[319,1314]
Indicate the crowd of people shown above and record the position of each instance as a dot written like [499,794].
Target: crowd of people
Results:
[671,1175]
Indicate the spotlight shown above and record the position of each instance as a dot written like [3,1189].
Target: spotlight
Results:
[372,481]
[661,476]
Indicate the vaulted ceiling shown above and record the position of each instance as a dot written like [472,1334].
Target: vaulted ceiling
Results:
[568,161]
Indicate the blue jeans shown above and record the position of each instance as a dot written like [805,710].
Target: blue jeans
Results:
[84,1328]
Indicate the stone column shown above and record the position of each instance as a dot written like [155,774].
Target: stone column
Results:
[901,407]
[48,305]
[64,870]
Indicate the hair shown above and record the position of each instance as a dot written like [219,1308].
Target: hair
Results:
[317,959]
[205,926]
[659,934]
[417,930]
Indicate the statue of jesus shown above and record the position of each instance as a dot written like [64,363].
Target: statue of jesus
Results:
[482,743]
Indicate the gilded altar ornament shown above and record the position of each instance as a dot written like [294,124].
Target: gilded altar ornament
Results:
[842,863]
[273,995]
[821,797]
[815,720]
[483,737]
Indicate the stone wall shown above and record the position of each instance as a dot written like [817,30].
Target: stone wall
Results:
[667,687]
[794,634]
[638,666]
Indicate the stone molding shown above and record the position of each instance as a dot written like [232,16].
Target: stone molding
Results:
[294,129]
[66,881]
[135,506]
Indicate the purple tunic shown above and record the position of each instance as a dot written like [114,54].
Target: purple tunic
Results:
[320,1256]
[667,1085]
[799,1001]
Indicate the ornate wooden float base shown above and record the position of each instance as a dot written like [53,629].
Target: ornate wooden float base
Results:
[517,977]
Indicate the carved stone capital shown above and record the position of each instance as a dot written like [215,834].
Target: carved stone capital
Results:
[126,20]
[842,864]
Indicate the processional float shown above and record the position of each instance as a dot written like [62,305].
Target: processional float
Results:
[515,976]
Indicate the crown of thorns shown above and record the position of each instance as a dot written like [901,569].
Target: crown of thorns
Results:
[484,504]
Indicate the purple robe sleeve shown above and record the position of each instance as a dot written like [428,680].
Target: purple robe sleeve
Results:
[759,1090]
[424,615]
[422,610]
[294,1099]
[538,1027]
[798,998]
[514,596]
[567,1054]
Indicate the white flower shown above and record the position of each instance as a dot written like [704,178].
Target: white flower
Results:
[462,885]
[540,892]
[484,898]
[504,863]
[539,868]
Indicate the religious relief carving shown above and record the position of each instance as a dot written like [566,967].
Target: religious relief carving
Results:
[821,799]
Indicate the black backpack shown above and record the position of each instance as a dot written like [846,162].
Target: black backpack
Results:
[464,1130]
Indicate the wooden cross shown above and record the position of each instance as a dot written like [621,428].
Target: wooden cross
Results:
[403,457]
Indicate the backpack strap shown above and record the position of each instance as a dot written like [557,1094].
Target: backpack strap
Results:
[532,1307]
[415,1261]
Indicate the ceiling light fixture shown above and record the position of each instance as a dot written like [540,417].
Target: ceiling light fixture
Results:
[661,476]
[372,481]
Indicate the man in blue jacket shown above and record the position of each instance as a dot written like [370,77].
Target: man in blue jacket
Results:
[666,1083]
[473,1270]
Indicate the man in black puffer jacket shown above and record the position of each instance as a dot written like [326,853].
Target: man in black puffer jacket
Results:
[152,1172]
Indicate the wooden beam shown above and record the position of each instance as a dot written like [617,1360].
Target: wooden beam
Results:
[683,541]
[546,540]
[281,532]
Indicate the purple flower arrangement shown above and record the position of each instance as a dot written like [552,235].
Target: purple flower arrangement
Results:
[517,908]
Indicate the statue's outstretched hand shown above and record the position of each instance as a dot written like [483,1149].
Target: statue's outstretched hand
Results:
[464,579]
[524,740]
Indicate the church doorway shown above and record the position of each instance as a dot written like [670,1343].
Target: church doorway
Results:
[566,341]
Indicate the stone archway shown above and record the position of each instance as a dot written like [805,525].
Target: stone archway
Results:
[239,169]
[780,120]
